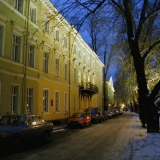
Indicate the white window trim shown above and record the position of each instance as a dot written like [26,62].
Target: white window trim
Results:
[34,55]
[3,39]
[22,6]
[17,106]
[46,112]
[74,102]
[21,45]
[66,102]
[65,71]
[32,96]
[33,7]
[66,44]
[46,19]
[74,49]
[56,91]
[55,36]
[46,51]
[0,91]
[57,73]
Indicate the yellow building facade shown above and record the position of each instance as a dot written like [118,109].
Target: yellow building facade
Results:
[46,67]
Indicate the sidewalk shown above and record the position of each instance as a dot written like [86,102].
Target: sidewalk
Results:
[59,126]
[143,146]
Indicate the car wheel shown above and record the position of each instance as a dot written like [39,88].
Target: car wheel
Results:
[97,121]
[84,125]
[69,127]
[45,137]
[17,142]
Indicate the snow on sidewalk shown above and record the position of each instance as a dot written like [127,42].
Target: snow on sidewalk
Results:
[143,145]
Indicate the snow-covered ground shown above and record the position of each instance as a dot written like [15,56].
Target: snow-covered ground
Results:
[143,146]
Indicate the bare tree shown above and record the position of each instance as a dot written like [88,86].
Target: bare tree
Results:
[139,20]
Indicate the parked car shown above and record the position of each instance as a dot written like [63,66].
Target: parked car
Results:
[14,129]
[115,113]
[79,119]
[110,114]
[96,114]
[105,115]
[119,111]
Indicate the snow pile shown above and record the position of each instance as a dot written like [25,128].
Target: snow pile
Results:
[143,145]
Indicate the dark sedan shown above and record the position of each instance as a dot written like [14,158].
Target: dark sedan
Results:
[14,129]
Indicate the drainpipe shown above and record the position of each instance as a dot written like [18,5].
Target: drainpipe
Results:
[24,110]
[69,80]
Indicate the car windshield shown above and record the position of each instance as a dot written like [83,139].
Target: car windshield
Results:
[77,115]
[12,120]
[94,111]
[89,111]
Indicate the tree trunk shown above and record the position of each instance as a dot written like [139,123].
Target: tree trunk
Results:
[148,114]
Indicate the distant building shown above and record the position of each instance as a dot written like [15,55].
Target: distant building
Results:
[46,67]
[110,94]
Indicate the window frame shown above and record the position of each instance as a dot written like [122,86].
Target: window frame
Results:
[29,100]
[33,13]
[14,94]
[2,41]
[66,42]
[45,100]
[57,34]
[16,52]
[46,24]
[46,61]
[57,69]
[66,71]
[29,57]
[74,49]
[57,101]
[74,102]
[18,6]
[75,75]
[66,101]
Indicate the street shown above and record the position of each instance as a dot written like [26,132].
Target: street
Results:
[107,140]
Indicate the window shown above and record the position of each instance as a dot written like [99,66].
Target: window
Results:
[14,98]
[79,78]
[66,42]
[57,109]
[29,99]
[31,49]
[1,39]
[57,34]
[74,102]
[16,48]
[18,5]
[46,24]
[88,61]
[75,75]
[0,91]
[33,13]
[45,100]
[65,71]
[65,101]
[57,66]
[74,49]
[45,62]
[93,65]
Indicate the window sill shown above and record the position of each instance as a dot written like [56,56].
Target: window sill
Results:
[45,113]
